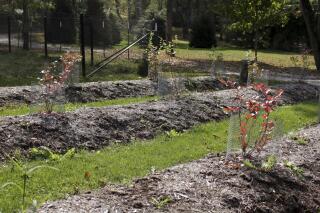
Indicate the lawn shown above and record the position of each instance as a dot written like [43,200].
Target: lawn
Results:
[23,68]
[272,57]
[122,163]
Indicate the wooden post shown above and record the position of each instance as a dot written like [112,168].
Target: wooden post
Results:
[9,34]
[45,20]
[244,73]
[82,47]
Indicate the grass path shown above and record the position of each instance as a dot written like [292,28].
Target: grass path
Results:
[122,163]
[25,109]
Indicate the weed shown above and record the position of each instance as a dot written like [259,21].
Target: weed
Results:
[44,153]
[293,168]
[300,140]
[269,164]
[173,133]
[266,166]
[161,202]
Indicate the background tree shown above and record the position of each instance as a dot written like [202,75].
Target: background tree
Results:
[25,24]
[253,16]
[104,32]
[170,4]
[312,20]
[61,23]
[203,32]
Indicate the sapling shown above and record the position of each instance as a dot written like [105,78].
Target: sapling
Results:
[26,173]
[53,84]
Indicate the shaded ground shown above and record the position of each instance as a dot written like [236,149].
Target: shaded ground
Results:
[94,128]
[210,185]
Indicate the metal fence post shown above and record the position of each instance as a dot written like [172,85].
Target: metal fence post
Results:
[45,36]
[82,47]
[9,34]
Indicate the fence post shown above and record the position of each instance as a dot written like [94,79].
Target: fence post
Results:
[91,43]
[83,53]
[45,36]
[244,72]
[9,33]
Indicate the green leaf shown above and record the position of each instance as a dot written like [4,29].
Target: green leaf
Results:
[11,184]
[30,171]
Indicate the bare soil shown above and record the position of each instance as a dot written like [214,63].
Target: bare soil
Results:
[211,185]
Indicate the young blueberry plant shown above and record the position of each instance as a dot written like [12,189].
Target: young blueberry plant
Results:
[53,84]
[254,116]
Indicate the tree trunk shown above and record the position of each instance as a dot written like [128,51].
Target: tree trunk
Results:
[25,25]
[256,37]
[118,8]
[312,26]
[138,5]
[169,19]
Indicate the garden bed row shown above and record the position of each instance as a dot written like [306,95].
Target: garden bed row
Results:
[97,91]
[210,185]
[95,128]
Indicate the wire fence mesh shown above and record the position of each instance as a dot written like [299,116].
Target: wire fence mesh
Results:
[61,32]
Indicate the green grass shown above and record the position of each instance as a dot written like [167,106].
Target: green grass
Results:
[276,58]
[122,163]
[23,68]
[25,109]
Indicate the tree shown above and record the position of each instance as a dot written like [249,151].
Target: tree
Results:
[61,22]
[252,16]
[203,33]
[170,4]
[25,24]
[312,21]
[105,29]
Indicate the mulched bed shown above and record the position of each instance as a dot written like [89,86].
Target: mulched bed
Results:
[95,128]
[98,91]
[210,185]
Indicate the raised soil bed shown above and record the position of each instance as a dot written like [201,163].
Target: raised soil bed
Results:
[95,128]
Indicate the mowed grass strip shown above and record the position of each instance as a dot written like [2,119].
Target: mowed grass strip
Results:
[122,163]
[272,57]
[24,109]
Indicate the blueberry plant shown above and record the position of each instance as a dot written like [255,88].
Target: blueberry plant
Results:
[254,113]
[53,84]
